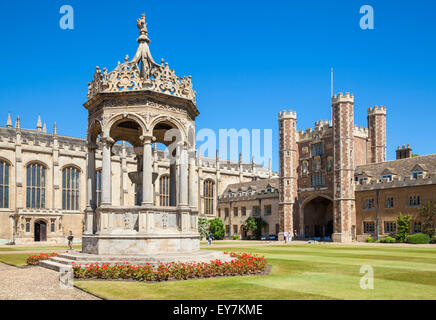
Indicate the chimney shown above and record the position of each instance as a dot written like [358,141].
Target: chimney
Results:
[404,152]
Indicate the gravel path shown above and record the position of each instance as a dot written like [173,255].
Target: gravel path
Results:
[35,283]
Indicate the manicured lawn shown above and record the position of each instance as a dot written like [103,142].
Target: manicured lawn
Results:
[16,259]
[307,271]
[227,242]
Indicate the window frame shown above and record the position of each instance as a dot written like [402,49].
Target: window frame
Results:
[365,229]
[164,190]
[209,196]
[36,184]
[70,188]
[390,224]
[5,184]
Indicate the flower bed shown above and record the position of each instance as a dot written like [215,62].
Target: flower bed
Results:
[34,259]
[243,264]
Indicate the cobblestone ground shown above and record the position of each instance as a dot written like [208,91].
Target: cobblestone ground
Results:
[35,283]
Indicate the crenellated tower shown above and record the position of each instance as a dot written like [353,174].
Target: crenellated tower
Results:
[344,210]
[377,133]
[288,160]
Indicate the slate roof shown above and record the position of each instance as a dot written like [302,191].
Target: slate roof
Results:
[402,168]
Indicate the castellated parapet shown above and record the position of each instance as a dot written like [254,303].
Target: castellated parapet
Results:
[360,131]
[348,97]
[287,115]
[377,110]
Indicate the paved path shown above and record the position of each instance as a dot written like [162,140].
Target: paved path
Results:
[35,283]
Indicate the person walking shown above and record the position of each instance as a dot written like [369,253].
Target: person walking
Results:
[209,239]
[285,236]
[70,240]
[289,237]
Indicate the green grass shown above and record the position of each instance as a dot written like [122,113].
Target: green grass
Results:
[227,242]
[15,259]
[48,248]
[315,271]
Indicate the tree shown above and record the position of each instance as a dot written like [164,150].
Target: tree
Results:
[403,224]
[254,225]
[203,227]
[427,214]
[216,228]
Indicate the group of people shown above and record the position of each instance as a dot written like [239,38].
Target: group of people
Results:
[287,236]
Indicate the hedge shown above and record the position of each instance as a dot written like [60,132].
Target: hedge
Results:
[418,238]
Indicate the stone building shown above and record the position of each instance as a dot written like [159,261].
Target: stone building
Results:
[335,182]
[43,182]
[258,198]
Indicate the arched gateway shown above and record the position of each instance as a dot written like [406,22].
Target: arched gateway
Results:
[143,103]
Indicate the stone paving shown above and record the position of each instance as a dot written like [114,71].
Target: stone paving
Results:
[35,283]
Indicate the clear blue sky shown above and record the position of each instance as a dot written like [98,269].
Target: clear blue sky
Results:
[248,59]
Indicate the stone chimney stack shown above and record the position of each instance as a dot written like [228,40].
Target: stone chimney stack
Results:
[404,152]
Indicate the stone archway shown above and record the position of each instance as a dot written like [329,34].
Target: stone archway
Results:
[318,218]
[40,231]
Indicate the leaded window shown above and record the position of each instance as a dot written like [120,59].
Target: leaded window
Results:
[390,227]
[35,190]
[70,189]
[368,204]
[414,201]
[4,185]
[368,227]
[317,149]
[208,197]
[317,179]
[164,191]
[389,202]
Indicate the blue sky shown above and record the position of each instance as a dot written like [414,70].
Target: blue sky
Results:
[248,60]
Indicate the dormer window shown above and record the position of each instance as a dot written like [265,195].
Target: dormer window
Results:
[416,174]
[269,189]
[363,180]
[387,177]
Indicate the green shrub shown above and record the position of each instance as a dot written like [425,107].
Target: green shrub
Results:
[403,227]
[370,239]
[388,240]
[216,228]
[236,237]
[418,238]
